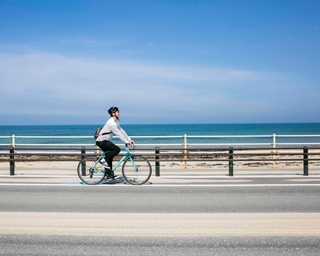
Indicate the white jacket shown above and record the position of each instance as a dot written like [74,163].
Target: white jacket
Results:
[113,128]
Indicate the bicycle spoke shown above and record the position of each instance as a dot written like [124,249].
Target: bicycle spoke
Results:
[136,170]
[90,172]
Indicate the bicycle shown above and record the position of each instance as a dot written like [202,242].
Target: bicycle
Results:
[136,170]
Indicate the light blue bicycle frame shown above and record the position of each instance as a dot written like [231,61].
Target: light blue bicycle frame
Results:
[127,154]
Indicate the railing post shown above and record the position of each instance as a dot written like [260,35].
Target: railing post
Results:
[185,152]
[157,162]
[274,144]
[83,167]
[12,162]
[12,155]
[13,140]
[305,161]
[231,161]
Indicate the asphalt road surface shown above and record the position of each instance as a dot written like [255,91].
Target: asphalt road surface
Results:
[160,220]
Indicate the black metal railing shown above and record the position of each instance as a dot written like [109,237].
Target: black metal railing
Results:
[158,155]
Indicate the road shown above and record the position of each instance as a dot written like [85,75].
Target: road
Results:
[260,217]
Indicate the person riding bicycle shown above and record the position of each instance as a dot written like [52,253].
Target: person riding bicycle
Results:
[106,134]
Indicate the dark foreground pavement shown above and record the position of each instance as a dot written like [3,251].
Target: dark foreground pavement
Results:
[159,220]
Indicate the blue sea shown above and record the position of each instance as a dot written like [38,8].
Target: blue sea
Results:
[167,130]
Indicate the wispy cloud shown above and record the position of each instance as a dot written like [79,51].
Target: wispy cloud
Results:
[37,82]
[37,67]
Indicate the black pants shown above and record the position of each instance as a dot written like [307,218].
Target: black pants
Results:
[113,149]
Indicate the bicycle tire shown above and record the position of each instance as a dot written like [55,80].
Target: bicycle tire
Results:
[136,170]
[90,172]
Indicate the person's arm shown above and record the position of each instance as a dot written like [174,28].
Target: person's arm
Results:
[130,141]
[118,131]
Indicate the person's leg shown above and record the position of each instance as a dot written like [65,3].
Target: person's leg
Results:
[112,148]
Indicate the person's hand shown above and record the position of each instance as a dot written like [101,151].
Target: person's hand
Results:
[130,143]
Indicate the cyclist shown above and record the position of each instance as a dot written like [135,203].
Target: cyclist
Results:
[104,140]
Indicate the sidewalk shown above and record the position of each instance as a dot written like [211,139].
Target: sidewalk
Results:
[62,172]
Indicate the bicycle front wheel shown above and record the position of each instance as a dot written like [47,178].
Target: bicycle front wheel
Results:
[90,171]
[136,170]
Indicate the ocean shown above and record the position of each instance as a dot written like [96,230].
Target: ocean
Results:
[168,130]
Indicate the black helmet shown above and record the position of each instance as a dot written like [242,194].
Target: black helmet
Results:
[112,110]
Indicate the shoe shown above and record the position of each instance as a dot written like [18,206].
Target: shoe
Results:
[104,164]
[110,175]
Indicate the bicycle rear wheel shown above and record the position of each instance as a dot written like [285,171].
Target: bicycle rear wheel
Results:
[90,172]
[136,170]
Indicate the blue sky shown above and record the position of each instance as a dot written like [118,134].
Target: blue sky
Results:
[67,62]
